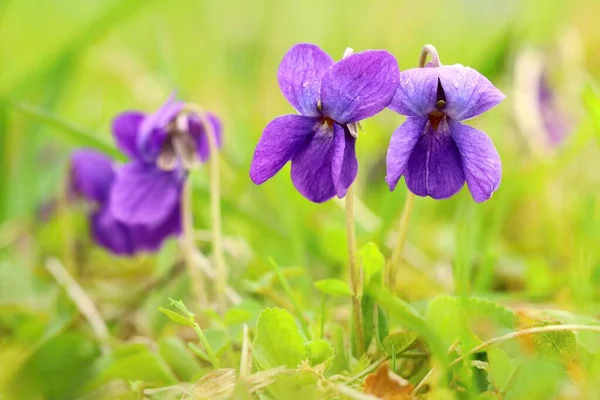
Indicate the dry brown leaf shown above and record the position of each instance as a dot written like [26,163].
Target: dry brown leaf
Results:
[386,385]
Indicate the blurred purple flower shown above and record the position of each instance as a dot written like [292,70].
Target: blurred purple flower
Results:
[162,146]
[554,121]
[432,149]
[331,98]
[92,178]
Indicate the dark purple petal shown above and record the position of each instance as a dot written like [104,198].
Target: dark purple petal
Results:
[144,195]
[152,132]
[359,86]
[125,128]
[417,92]
[468,93]
[480,160]
[280,140]
[401,147]
[300,74]
[198,133]
[344,165]
[151,239]
[311,167]
[92,174]
[435,167]
[111,234]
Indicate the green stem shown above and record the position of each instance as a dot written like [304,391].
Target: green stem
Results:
[288,291]
[187,244]
[222,276]
[392,265]
[209,350]
[355,273]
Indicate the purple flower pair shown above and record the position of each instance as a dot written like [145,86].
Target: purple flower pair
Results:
[331,97]
[138,205]
[433,151]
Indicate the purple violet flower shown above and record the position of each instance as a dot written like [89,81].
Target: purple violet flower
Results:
[92,177]
[555,122]
[162,147]
[434,151]
[331,97]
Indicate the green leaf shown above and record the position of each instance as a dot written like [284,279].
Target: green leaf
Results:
[501,368]
[319,351]
[367,305]
[398,342]
[175,317]
[480,308]
[181,307]
[134,363]
[447,317]
[278,341]
[335,287]
[555,345]
[199,351]
[217,339]
[381,327]
[4,160]
[408,317]
[174,352]
[372,261]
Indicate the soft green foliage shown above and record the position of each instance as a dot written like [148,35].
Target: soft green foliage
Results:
[470,273]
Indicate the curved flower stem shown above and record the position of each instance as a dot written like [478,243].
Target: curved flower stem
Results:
[507,337]
[215,206]
[392,265]
[355,273]
[429,50]
[188,246]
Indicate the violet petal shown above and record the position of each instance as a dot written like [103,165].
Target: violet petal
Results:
[125,129]
[300,74]
[402,143]
[92,174]
[144,195]
[468,93]
[435,167]
[359,86]
[480,160]
[417,92]
[198,133]
[311,167]
[152,132]
[280,140]
[344,165]
[111,234]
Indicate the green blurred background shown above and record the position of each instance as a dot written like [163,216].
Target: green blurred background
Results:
[67,68]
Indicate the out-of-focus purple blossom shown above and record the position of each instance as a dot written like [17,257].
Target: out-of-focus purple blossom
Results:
[162,147]
[331,98]
[554,120]
[433,150]
[92,177]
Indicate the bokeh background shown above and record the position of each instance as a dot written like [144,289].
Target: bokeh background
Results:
[67,68]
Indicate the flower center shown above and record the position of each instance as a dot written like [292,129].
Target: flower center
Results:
[437,115]
[179,147]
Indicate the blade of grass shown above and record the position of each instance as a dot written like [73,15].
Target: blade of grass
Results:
[4,160]
[73,134]
[288,291]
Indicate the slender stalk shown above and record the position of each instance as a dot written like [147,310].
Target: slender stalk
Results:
[209,350]
[507,337]
[355,273]
[288,291]
[245,362]
[215,206]
[392,265]
[429,50]
[84,304]
[187,244]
